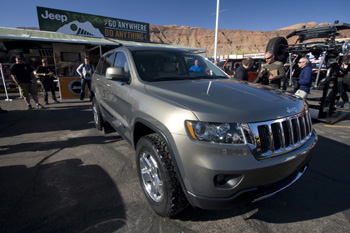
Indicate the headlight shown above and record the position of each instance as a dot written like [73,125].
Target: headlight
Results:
[216,132]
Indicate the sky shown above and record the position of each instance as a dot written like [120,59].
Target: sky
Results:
[247,15]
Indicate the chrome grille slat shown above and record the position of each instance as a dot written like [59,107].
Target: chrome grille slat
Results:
[296,131]
[279,136]
[307,122]
[272,144]
[292,132]
[283,139]
[287,135]
[302,128]
[310,122]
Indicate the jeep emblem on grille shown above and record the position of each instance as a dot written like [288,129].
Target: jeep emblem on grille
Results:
[292,110]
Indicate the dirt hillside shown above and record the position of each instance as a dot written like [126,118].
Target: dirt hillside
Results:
[229,41]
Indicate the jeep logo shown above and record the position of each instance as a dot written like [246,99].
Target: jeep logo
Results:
[52,16]
[74,87]
[292,110]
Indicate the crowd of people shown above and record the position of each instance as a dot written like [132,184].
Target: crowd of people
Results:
[26,79]
[272,73]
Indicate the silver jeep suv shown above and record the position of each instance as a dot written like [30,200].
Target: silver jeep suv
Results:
[201,138]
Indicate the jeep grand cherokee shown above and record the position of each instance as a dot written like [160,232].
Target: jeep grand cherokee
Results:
[201,138]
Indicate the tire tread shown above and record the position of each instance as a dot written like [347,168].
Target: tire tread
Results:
[178,199]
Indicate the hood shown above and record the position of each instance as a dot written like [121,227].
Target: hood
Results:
[227,100]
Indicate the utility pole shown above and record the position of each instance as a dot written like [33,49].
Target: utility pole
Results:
[216,30]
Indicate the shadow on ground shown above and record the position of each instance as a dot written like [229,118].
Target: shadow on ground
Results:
[57,145]
[65,196]
[46,120]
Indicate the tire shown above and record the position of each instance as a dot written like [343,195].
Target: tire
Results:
[98,120]
[278,46]
[158,176]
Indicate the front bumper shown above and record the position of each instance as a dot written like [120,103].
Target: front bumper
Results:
[220,176]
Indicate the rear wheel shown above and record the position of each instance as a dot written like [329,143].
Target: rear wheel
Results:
[158,176]
[278,47]
[97,114]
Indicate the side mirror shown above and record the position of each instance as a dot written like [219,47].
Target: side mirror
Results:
[116,73]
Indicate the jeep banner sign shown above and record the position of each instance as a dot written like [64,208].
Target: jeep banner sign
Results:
[91,25]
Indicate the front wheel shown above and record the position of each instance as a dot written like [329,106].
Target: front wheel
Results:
[158,176]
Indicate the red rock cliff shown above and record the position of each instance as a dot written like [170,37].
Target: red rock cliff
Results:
[229,41]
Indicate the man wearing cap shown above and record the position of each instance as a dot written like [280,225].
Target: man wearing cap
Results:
[23,75]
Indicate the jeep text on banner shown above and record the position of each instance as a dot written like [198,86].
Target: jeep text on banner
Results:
[91,25]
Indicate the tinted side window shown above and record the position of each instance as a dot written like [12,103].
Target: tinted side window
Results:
[229,66]
[122,61]
[107,62]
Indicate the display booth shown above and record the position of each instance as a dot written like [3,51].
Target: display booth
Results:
[64,53]
[70,87]
[67,60]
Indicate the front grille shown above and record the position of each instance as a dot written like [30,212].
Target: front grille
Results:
[279,136]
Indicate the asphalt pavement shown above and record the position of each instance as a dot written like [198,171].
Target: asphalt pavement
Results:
[59,174]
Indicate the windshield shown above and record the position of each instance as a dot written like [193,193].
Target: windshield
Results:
[167,65]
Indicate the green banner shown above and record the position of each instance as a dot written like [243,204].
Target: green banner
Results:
[91,25]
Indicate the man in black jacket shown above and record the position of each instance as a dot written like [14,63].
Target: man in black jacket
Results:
[46,75]
[242,71]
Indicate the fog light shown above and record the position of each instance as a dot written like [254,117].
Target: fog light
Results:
[227,181]
[220,179]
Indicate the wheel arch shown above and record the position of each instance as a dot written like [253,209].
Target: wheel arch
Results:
[143,128]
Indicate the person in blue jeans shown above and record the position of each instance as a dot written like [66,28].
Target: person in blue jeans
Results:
[85,71]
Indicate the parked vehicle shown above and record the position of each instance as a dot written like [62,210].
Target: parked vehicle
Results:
[201,138]
[231,65]
[221,64]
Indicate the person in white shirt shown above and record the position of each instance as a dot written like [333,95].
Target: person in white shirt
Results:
[85,71]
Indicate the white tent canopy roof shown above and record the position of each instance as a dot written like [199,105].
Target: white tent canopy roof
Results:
[55,37]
